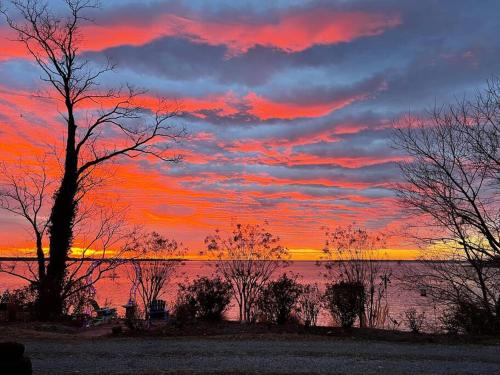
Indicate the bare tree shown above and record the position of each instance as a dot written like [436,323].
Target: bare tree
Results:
[247,258]
[53,42]
[451,186]
[23,193]
[106,243]
[158,264]
[104,239]
[350,255]
[309,304]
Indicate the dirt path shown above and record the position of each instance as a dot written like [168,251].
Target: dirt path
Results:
[256,356]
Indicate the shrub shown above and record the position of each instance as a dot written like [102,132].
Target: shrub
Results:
[467,317]
[278,299]
[414,320]
[204,298]
[24,297]
[81,297]
[345,301]
[309,305]
[184,311]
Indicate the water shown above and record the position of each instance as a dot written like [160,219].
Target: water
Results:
[114,290]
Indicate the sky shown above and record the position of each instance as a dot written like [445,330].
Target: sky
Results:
[288,106]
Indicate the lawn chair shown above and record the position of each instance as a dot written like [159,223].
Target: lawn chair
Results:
[157,310]
[104,314]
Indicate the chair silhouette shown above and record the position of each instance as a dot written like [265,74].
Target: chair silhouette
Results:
[157,310]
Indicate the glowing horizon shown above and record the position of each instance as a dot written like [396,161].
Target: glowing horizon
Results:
[294,254]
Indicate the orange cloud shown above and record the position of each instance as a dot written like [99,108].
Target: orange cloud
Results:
[292,32]
[266,109]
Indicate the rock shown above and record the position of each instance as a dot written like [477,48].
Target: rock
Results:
[12,359]
[11,350]
[20,366]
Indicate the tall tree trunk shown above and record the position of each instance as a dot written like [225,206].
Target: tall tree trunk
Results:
[41,272]
[241,307]
[40,257]
[61,229]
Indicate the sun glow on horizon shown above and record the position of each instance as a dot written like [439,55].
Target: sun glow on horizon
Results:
[298,254]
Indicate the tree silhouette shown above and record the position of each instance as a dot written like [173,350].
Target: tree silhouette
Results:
[104,238]
[451,186]
[247,258]
[350,255]
[24,194]
[152,274]
[54,43]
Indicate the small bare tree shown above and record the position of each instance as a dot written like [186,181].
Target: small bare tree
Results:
[451,188]
[247,258]
[414,320]
[309,304]
[23,192]
[350,255]
[54,41]
[155,267]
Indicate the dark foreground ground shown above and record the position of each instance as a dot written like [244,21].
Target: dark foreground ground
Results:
[268,353]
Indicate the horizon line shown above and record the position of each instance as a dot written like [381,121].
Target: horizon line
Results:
[19,259]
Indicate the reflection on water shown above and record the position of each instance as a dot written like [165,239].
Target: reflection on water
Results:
[114,289]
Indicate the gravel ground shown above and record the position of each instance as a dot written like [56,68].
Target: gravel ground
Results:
[256,356]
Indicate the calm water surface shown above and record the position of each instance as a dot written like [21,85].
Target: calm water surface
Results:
[115,290]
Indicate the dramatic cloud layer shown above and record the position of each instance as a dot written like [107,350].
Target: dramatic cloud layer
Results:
[288,104]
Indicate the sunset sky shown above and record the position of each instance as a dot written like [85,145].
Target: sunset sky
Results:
[288,106]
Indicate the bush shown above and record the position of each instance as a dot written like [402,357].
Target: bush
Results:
[24,297]
[309,305]
[414,320]
[467,317]
[204,298]
[81,297]
[184,311]
[278,299]
[345,301]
